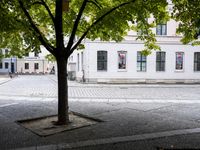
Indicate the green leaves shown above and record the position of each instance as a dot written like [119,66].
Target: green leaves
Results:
[188,13]
[101,19]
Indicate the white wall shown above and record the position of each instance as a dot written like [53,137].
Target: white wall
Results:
[131,72]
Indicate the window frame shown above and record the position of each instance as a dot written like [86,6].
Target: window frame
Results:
[141,61]
[6,52]
[160,62]
[36,66]
[6,64]
[118,60]
[102,62]
[183,55]
[26,66]
[36,54]
[196,62]
[1,65]
[161,33]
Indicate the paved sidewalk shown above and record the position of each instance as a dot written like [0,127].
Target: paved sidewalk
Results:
[140,123]
[4,79]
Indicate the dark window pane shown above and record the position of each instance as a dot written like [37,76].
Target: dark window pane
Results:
[26,65]
[144,58]
[197,61]
[162,67]
[160,61]
[36,66]
[36,54]
[102,60]
[138,56]
[161,29]
[6,51]
[141,62]
[6,65]
[157,66]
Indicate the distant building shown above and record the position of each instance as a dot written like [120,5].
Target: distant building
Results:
[32,63]
[7,65]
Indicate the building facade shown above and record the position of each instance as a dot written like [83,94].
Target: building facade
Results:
[8,65]
[111,62]
[32,63]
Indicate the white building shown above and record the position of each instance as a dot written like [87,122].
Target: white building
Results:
[34,63]
[111,62]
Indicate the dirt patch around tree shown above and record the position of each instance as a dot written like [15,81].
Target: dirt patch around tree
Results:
[45,126]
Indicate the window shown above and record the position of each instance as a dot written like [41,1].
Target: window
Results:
[78,62]
[6,51]
[141,62]
[179,60]
[1,65]
[122,59]
[160,61]
[26,66]
[36,66]
[197,61]
[27,54]
[6,65]
[36,54]
[161,29]
[102,60]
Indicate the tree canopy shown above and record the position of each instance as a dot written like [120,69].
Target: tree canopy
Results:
[187,13]
[25,25]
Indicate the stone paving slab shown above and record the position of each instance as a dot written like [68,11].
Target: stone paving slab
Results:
[124,139]
[4,80]
[121,122]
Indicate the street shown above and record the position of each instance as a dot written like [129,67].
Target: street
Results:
[133,115]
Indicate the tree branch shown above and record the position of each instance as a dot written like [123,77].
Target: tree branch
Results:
[95,3]
[96,22]
[49,11]
[41,38]
[71,39]
[42,2]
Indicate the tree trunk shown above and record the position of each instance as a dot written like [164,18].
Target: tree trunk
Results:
[63,116]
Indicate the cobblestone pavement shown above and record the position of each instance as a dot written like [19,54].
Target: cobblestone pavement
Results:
[33,86]
[164,123]
[45,87]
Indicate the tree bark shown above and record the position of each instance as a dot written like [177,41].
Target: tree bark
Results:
[63,116]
